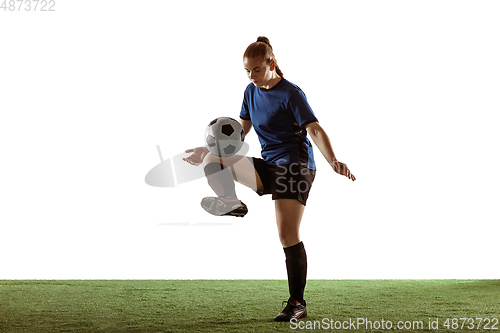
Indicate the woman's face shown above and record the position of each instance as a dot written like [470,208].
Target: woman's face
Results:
[259,71]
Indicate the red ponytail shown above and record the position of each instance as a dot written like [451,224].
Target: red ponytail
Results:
[262,49]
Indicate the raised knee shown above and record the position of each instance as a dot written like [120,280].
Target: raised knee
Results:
[211,158]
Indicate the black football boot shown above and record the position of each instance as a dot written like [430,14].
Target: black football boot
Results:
[219,206]
[293,309]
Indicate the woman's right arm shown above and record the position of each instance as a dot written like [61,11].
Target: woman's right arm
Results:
[198,155]
[247,125]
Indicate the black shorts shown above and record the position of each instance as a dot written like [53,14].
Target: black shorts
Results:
[290,181]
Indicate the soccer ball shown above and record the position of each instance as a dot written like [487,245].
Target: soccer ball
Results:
[224,136]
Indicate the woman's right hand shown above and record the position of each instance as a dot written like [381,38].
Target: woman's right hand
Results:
[198,155]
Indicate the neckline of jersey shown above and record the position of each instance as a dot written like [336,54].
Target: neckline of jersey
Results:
[276,86]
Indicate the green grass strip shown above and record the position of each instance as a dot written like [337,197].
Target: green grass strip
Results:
[238,305]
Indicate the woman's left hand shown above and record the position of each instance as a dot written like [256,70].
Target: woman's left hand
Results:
[343,170]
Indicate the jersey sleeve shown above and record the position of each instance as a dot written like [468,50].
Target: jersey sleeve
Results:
[300,108]
[245,113]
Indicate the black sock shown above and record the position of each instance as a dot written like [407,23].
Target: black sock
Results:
[220,180]
[296,267]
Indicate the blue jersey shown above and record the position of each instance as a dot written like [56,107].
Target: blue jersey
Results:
[279,116]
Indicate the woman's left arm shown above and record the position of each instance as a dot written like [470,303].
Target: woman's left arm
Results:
[322,141]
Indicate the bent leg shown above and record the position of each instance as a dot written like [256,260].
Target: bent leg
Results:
[240,168]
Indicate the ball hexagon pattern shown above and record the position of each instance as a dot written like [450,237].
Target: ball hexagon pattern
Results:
[224,136]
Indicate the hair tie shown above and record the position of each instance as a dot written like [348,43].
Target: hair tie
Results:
[263,41]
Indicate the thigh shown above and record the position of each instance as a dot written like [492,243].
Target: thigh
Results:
[288,217]
[245,173]
[241,167]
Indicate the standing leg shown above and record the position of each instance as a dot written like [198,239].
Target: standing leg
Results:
[288,217]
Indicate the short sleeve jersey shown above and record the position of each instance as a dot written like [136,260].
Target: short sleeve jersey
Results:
[279,116]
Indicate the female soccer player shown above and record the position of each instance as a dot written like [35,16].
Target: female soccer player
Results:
[282,118]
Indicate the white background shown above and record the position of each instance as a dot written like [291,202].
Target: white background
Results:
[408,92]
